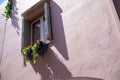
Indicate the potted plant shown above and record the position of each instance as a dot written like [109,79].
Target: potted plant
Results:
[32,52]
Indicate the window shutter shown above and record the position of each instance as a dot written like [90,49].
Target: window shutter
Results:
[48,21]
[25,33]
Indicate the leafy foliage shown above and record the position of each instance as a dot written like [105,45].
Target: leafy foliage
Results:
[8,8]
[24,51]
[35,52]
[32,52]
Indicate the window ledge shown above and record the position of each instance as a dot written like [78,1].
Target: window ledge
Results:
[37,9]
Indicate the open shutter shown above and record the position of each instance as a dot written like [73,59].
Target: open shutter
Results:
[48,21]
[25,33]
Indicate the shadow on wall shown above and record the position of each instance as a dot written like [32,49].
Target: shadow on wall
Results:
[50,67]
[84,78]
[117,6]
[59,40]
[14,18]
[0,76]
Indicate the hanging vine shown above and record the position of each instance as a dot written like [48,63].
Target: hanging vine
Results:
[32,52]
[8,8]
[7,15]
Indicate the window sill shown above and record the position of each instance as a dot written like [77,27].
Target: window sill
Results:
[48,42]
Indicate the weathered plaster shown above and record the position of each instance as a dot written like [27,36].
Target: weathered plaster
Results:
[86,43]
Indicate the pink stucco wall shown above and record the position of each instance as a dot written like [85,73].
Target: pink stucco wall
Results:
[86,42]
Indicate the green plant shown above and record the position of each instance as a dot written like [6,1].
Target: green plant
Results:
[35,52]
[32,52]
[24,51]
[8,8]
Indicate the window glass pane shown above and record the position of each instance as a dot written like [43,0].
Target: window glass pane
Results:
[36,32]
[45,31]
[41,30]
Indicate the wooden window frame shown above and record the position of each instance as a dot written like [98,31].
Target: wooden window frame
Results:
[41,9]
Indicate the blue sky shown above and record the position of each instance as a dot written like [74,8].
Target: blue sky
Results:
[1,1]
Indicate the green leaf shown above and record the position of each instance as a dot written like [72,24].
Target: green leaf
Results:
[8,8]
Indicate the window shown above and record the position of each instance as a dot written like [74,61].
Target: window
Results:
[36,24]
[39,30]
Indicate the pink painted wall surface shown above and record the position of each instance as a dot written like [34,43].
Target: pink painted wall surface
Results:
[86,42]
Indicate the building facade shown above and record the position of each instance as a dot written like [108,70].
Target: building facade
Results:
[86,42]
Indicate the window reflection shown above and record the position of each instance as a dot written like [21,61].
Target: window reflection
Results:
[39,30]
